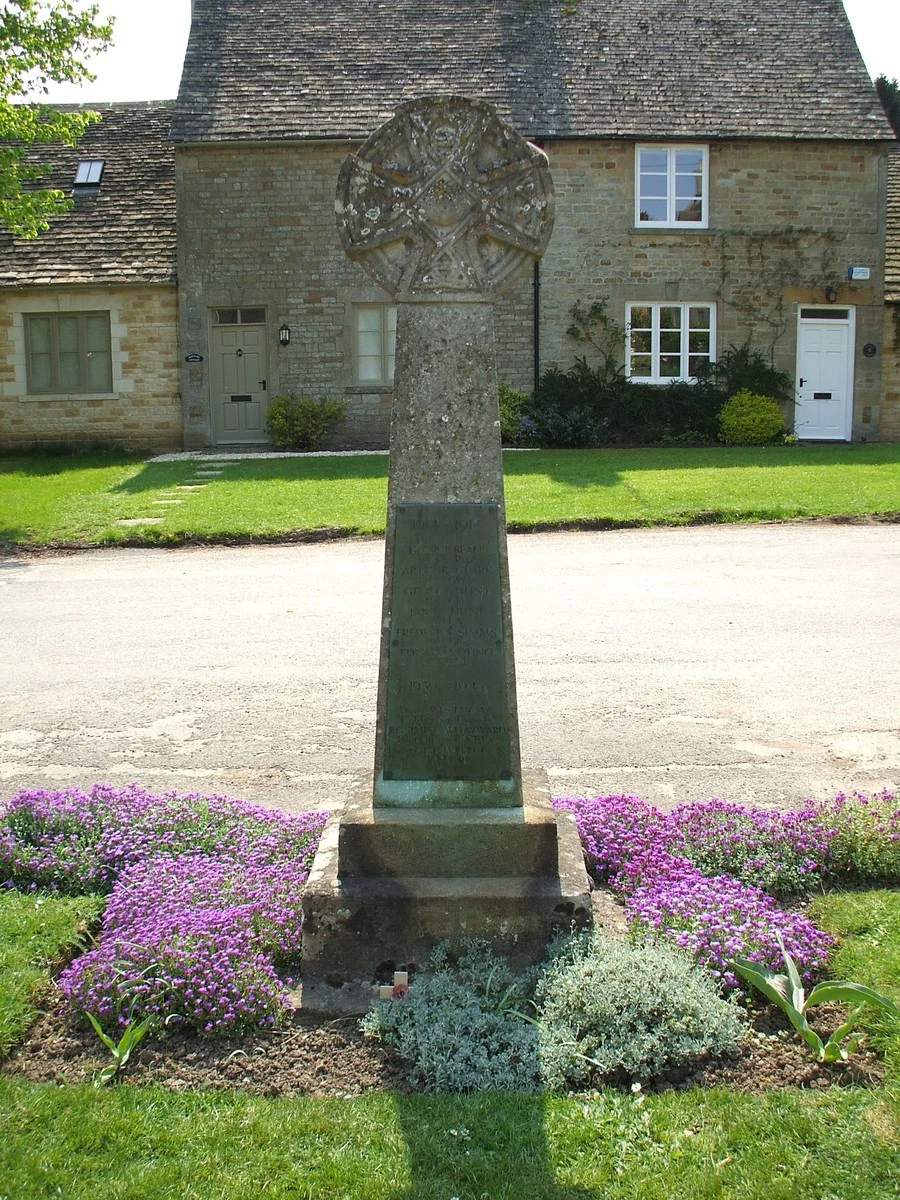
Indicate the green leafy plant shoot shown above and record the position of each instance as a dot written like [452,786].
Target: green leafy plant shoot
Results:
[121,1050]
[788,993]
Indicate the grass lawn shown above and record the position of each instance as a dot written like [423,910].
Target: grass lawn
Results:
[34,930]
[867,925]
[141,1144]
[130,1143]
[80,499]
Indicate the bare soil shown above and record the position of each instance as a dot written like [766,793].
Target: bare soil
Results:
[333,1058]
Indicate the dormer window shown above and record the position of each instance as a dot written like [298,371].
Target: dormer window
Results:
[88,175]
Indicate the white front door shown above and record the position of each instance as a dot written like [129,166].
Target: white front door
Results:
[824,404]
[238,379]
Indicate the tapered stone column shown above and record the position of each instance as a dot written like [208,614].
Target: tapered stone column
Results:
[444,206]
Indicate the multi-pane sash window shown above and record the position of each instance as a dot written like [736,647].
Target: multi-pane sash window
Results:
[665,342]
[68,352]
[671,186]
[376,337]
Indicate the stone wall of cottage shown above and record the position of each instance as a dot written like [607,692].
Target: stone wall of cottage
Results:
[143,411]
[256,228]
[890,403]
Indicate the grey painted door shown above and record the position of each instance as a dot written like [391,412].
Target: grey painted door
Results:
[238,379]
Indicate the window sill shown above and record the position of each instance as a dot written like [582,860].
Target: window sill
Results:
[686,228]
[644,381]
[67,397]
[369,389]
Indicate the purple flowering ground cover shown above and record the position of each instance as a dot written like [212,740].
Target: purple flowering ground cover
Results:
[203,916]
[704,874]
[204,898]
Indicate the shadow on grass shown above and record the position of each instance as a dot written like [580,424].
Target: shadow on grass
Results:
[59,464]
[285,470]
[603,467]
[486,1145]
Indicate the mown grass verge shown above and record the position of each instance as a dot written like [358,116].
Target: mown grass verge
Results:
[54,500]
[867,926]
[130,1143]
[36,929]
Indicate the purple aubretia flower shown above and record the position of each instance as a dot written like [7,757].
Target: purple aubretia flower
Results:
[204,903]
[656,861]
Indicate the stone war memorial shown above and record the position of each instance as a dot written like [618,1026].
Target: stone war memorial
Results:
[448,838]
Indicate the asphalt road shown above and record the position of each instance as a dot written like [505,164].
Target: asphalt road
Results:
[756,663]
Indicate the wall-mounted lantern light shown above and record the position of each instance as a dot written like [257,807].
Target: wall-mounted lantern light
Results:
[284,335]
[831,293]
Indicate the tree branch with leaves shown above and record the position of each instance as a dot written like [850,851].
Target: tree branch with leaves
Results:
[41,41]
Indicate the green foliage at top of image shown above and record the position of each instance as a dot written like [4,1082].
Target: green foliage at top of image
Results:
[40,43]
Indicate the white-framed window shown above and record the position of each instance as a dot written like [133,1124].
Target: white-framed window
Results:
[667,342]
[671,187]
[68,353]
[376,337]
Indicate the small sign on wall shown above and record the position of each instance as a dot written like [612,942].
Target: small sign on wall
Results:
[857,273]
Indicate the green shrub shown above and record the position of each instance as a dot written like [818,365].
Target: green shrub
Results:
[512,405]
[739,369]
[610,1008]
[300,423]
[748,419]
[589,406]
[458,1026]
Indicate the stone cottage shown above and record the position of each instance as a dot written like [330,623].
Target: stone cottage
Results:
[720,174]
[88,312]
[890,407]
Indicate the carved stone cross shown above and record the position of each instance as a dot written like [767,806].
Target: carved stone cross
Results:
[445,202]
[444,206]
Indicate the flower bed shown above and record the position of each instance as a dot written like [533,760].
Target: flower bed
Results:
[204,898]
[704,874]
[204,918]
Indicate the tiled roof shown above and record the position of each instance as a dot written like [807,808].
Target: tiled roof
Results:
[289,69]
[892,241]
[124,234]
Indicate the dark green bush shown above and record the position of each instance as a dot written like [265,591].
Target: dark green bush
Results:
[597,406]
[748,419]
[512,405]
[588,406]
[301,423]
[739,368]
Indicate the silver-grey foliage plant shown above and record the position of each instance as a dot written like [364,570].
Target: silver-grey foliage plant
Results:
[601,1008]
[458,1027]
[611,1008]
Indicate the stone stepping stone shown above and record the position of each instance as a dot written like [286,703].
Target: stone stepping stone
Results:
[140,521]
[167,502]
[203,474]
[190,487]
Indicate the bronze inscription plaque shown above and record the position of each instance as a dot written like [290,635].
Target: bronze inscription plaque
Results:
[447,712]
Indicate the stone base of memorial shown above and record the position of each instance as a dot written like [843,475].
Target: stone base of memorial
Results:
[388,885]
